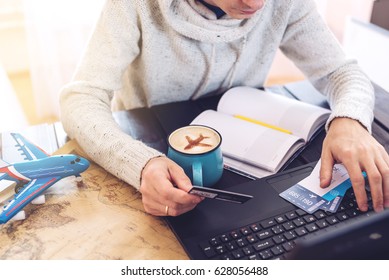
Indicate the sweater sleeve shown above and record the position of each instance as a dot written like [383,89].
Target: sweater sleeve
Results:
[310,44]
[86,101]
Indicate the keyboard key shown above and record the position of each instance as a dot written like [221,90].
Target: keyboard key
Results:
[264,234]
[221,249]
[301,231]
[322,223]
[231,246]
[237,254]
[320,214]
[288,226]
[241,242]
[291,215]
[224,238]
[252,238]
[280,219]
[265,255]
[268,223]
[312,227]
[262,245]
[248,250]
[277,229]
[235,234]
[290,235]
[301,212]
[288,246]
[309,219]
[298,222]
[342,216]
[255,227]
[341,208]
[332,220]
[209,251]
[279,239]
[278,250]
[351,204]
[353,213]
[214,241]
[245,231]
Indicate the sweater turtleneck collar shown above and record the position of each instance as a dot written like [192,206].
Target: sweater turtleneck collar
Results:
[193,20]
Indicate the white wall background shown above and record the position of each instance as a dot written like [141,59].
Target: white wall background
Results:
[57,32]
[369,44]
[335,12]
[11,114]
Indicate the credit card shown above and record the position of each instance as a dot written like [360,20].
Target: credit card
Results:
[220,194]
[304,198]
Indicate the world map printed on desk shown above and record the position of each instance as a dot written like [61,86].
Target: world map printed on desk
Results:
[101,219]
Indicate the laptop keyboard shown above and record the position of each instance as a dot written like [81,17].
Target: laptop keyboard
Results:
[273,238]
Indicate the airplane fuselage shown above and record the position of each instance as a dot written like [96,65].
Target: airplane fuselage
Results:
[38,175]
[54,166]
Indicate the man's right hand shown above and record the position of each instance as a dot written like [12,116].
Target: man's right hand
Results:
[165,188]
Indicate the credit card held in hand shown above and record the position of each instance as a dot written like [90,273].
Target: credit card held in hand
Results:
[220,194]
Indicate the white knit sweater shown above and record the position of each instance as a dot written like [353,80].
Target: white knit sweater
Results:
[145,53]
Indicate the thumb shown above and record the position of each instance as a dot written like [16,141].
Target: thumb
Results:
[327,164]
[179,177]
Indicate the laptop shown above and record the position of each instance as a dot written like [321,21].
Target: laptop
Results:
[269,227]
[266,226]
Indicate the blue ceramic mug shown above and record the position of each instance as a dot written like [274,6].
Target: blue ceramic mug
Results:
[196,148]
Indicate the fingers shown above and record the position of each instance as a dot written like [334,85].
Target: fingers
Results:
[383,166]
[159,196]
[156,200]
[358,183]
[375,162]
[327,164]
[179,178]
[349,143]
[170,211]
[377,170]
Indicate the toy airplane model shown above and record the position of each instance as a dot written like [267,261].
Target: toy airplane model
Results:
[35,175]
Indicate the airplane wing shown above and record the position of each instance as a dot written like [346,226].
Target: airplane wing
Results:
[28,149]
[28,193]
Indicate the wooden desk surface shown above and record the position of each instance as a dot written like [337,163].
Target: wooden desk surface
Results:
[101,218]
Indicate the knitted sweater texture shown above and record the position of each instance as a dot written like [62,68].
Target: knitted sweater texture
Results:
[144,53]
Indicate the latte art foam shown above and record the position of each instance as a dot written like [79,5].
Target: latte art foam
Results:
[194,139]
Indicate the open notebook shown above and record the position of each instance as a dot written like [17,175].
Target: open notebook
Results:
[261,131]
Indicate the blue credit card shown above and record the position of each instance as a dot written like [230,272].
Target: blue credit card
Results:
[303,198]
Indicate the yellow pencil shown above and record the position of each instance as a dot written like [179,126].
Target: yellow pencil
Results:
[263,124]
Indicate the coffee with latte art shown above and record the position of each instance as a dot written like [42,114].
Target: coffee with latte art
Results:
[194,139]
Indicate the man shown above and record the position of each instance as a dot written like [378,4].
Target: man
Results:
[144,53]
